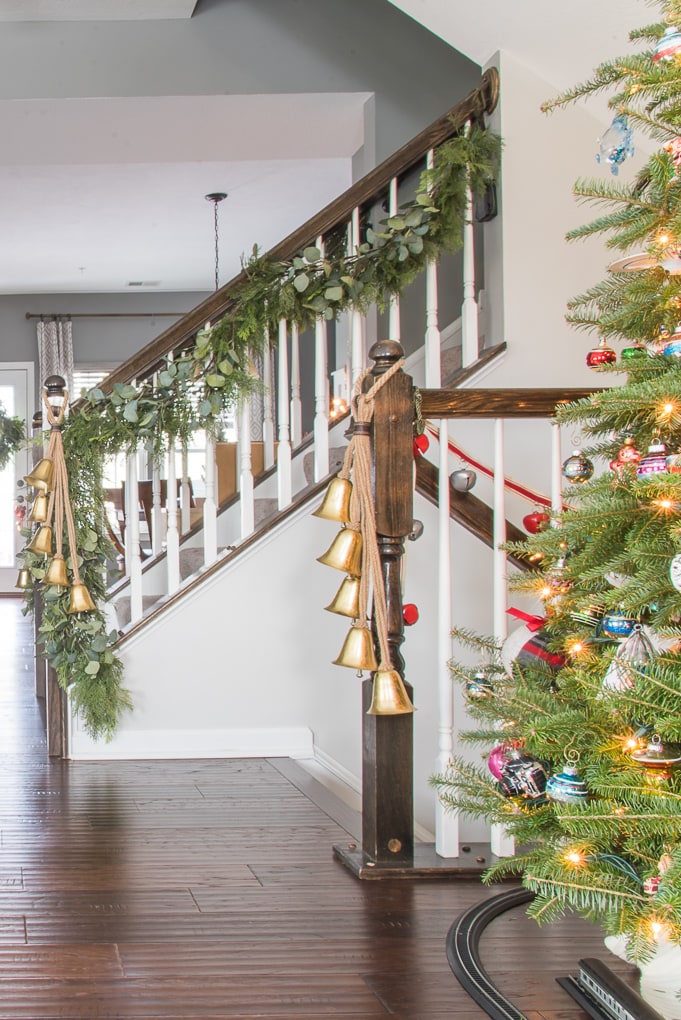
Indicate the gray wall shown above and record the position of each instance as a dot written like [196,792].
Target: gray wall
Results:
[238,47]
[228,47]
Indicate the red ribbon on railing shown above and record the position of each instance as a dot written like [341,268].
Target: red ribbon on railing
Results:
[521,490]
[533,622]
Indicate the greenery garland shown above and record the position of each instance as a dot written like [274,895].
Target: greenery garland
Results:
[11,437]
[202,385]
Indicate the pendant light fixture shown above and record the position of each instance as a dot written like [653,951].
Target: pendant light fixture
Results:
[216,197]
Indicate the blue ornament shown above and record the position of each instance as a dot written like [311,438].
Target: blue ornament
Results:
[480,685]
[615,143]
[617,624]
[567,786]
[577,468]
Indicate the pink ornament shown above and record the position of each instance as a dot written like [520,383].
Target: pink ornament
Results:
[498,757]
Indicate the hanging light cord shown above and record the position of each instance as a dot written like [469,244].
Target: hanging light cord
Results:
[216,197]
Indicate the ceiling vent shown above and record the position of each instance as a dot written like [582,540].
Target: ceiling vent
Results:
[144,283]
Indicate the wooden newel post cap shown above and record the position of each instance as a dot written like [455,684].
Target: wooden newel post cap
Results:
[37,420]
[55,385]
[385,353]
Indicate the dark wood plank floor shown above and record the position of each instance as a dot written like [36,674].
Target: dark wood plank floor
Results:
[208,889]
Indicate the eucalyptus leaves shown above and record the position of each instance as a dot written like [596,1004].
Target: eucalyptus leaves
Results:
[11,437]
[195,388]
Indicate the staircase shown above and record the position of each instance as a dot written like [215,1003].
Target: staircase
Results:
[225,645]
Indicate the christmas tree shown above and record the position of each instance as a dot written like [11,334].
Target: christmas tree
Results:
[581,731]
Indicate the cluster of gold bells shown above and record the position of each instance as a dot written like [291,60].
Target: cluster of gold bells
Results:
[390,696]
[50,506]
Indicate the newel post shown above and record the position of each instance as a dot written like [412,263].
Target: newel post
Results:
[387,756]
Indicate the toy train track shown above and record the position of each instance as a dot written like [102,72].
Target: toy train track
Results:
[463,939]
[598,991]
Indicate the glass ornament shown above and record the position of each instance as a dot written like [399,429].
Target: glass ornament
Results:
[655,461]
[626,455]
[669,46]
[523,776]
[616,143]
[537,521]
[671,347]
[479,685]
[577,467]
[634,351]
[497,758]
[674,463]
[657,755]
[633,656]
[600,356]
[567,786]
[617,624]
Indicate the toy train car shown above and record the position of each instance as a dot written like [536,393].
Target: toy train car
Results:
[604,996]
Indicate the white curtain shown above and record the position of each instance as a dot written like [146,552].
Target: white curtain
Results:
[55,350]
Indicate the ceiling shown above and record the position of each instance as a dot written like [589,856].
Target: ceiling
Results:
[94,10]
[106,195]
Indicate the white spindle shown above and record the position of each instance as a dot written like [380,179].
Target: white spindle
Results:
[296,404]
[172,533]
[246,493]
[358,355]
[185,514]
[284,483]
[394,306]
[502,844]
[210,509]
[432,337]
[446,822]
[321,393]
[156,508]
[556,470]
[133,556]
[268,417]
[469,308]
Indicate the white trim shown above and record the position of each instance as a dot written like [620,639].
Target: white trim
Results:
[291,742]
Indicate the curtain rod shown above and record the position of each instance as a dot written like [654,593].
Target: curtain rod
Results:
[104,315]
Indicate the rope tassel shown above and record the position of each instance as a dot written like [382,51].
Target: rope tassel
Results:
[59,511]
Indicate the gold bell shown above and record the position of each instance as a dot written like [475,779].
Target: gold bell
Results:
[39,509]
[390,695]
[80,601]
[345,552]
[358,650]
[42,541]
[56,572]
[41,475]
[336,503]
[346,602]
[24,580]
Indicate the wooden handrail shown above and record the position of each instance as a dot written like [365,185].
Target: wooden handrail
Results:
[498,403]
[479,101]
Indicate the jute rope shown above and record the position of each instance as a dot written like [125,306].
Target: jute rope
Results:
[358,456]
[59,496]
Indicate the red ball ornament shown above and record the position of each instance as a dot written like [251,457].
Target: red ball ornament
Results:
[537,521]
[410,614]
[421,444]
[600,356]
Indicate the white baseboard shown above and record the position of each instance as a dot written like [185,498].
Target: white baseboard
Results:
[294,742]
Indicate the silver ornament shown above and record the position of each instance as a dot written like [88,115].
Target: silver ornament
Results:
[463,479]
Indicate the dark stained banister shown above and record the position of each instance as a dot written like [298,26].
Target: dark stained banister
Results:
[369,189]
[498,403]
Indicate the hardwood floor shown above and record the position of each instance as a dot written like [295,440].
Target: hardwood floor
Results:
[208,889]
